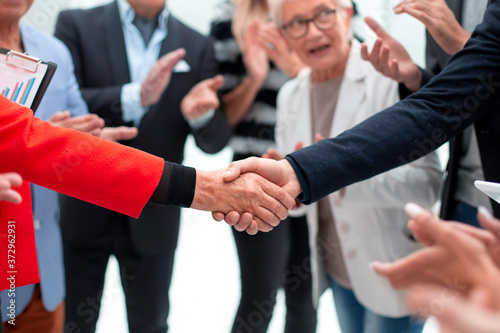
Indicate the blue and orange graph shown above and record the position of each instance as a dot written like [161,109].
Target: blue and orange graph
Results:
[16,95]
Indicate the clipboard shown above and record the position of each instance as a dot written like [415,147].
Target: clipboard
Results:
[23,78]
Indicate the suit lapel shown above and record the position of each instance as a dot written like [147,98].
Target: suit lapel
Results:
[116,44]
[352,94]
[171,42]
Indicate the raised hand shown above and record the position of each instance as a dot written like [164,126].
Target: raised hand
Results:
[489,235]
[90,123]
[391,59]
[159,77]
[278,51]
[455,259]
[267,202]
[439,20]
[202,98]
[254,55]
[7,182]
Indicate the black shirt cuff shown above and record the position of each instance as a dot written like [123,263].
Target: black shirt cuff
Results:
[176,187]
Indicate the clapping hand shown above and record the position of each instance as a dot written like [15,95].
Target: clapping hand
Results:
[391,59]
[202,98]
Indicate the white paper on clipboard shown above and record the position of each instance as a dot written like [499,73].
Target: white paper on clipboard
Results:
[21,77]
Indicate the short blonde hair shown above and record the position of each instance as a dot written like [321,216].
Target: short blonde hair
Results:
[275,8]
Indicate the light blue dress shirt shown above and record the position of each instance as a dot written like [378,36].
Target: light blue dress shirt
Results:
[141,58]
[62,94]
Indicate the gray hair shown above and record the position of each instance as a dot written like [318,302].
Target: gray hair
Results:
[275,8]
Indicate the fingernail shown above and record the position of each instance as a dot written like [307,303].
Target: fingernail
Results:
[294,207]
[226,174]
[413,210]
[374,265]
[485,212]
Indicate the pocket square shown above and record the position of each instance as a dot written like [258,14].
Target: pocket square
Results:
[181,67]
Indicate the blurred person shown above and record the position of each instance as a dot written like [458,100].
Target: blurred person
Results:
[449,25]
[122,54]
[40,307]
[255,61]
[351,227]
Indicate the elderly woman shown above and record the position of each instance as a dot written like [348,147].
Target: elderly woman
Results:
[366,221]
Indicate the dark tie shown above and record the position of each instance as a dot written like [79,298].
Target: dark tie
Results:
[146,27]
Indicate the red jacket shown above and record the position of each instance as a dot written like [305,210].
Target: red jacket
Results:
[73,163]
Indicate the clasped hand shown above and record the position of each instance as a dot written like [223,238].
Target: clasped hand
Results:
[252,194]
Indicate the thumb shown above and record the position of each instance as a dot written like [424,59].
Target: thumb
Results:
[60,115]
[216,82]
[377,29]
[235,169]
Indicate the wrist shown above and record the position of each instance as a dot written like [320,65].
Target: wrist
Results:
[204,190]
[292,186]
[415,81]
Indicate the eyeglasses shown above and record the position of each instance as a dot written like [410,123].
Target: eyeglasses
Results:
[323,20]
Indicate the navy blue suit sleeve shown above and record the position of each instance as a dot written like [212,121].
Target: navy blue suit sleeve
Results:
[467,88]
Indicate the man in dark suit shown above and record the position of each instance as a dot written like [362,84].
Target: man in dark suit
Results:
[449,24]
[467,91]
[123,81]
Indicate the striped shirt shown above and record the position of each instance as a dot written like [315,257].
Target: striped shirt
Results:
[255,133]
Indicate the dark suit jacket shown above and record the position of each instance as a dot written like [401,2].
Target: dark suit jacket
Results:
[95,40]
[466,91]
[436,60]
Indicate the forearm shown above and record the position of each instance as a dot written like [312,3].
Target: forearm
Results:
[80,165]
[412,127]
[238,101]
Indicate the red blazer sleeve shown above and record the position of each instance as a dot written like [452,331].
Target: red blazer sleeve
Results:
[18,262]
[104,173]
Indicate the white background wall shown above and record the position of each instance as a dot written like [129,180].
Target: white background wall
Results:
[205,286]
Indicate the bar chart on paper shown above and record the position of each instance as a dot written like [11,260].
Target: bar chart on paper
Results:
[20,85]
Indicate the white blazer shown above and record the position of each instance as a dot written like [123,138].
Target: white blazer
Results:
[369,217]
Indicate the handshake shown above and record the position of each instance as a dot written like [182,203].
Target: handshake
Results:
[254,194]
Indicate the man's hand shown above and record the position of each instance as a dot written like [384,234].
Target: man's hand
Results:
[202,98]
[390,58]
[455,259]
[439,20]
[280,173]
[7,181]
[90,123]
[118,133]
[159,77]
[267,202]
